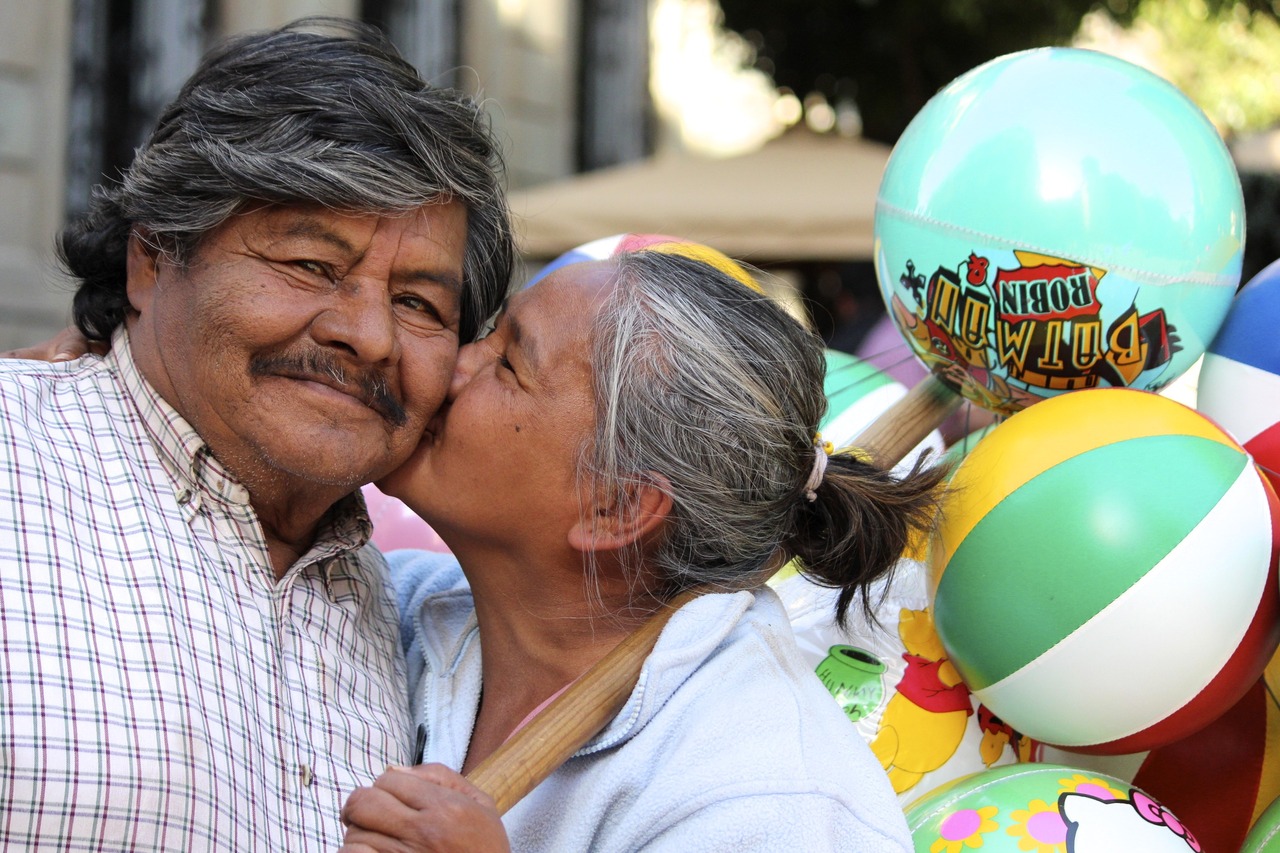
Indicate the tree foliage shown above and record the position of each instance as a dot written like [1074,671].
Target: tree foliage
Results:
[1225,56]
[890,56]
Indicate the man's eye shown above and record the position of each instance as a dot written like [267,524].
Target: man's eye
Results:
[421,312]
[417,303]
[313,267]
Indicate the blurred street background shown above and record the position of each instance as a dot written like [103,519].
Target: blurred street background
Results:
[758,126]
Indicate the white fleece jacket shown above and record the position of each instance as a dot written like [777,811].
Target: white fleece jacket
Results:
[728,743]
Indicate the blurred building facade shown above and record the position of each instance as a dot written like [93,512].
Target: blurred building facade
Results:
[565,81]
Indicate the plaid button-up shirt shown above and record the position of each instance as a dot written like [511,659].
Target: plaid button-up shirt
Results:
[159,689]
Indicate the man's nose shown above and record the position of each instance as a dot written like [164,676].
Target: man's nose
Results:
[361,321]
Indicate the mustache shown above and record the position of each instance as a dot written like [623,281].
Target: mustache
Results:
[369,386]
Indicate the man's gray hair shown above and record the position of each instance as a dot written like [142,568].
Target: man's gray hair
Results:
[322,111]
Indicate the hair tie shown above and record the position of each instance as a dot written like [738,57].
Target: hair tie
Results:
[822,450]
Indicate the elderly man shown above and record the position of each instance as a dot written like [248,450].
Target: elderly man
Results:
[197,649]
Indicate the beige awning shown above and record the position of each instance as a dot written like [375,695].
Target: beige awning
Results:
[801,197]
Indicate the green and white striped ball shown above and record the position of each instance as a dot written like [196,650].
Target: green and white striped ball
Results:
[1104,574]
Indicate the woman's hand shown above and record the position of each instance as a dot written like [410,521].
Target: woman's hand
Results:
[424,808]
[64,346]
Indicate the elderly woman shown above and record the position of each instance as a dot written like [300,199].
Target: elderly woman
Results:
[632,428]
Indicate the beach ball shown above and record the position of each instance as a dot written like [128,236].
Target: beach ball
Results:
[395,526]
[1105,571]
[1239,383]
[1264,837]
[892,678]
[1054,220]
[620,244]
[1044,808]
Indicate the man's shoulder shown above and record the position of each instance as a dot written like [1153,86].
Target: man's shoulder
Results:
[21,377]
[40,397]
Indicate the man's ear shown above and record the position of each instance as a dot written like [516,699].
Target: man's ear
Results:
[142,265]
[619,520]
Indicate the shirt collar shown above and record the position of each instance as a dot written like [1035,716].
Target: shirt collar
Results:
[182,452]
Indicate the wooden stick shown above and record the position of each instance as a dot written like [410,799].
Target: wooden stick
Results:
[901,427]
[587,706]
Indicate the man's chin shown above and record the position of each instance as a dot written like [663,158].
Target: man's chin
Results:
[343,463]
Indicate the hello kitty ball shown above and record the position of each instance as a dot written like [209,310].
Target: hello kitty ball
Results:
[1044,808]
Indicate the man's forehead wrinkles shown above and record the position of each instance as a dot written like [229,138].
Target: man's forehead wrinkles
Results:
[309,226]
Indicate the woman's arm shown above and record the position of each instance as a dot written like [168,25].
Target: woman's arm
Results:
[66,345]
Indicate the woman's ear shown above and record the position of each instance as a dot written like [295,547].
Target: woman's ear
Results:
[142,263]
[618,520]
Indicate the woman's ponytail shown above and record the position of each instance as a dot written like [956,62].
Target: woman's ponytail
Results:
[859,523]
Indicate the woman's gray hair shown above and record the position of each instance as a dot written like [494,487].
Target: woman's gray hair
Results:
[712,392]
[323,111]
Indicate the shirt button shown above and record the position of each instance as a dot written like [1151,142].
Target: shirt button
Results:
[184,497]
[305,775]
